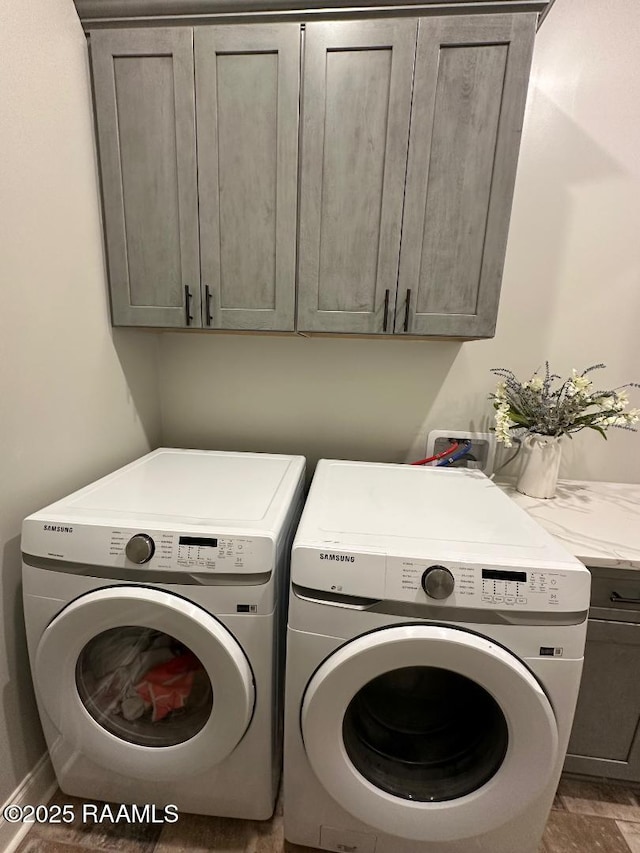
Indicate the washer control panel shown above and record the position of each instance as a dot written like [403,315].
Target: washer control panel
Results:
[486,586]
[177,551]
[152,550]
[210,553]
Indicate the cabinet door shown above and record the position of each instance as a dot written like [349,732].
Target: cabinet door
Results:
[144,100]
[469,96]
[355,124]
[605,739]
[247,96]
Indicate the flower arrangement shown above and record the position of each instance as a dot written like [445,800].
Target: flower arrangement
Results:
[549,405]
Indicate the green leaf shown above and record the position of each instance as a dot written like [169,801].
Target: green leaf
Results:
[598,429]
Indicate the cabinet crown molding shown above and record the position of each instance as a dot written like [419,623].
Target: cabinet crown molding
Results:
[99,13]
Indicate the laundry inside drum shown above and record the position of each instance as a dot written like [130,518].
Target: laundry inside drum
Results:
[425,734]
[144,686]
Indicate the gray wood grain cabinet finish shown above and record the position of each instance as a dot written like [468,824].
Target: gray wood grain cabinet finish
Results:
[407,175]
[145,110]
[410,131]
[219,226]
[605,739]
[469,96]
[247,93]
[355,128]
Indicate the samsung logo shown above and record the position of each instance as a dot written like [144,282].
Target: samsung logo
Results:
[58,528]
[338,558]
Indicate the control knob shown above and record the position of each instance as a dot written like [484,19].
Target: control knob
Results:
[140,548]
[438,582]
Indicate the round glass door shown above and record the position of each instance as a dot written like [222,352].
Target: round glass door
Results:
[409,732]
[144,683]
[144,686]
[428,732]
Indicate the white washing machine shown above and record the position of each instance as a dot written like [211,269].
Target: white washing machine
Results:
[434,653]
[154,605]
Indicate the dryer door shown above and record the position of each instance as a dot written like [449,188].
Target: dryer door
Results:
[428,733]
[144,682]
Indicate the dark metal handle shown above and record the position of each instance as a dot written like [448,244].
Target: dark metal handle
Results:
[406,311]
[620,599]
[207,305]
[386,310]
[187,305]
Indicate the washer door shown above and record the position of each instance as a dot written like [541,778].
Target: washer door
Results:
[144,683]
[428,733]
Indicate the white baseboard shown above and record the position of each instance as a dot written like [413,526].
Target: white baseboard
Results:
[37,787]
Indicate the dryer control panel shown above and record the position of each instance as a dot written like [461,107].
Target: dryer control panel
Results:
[562,587]
[494,587]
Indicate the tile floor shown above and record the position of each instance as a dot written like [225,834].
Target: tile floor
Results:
[587,817]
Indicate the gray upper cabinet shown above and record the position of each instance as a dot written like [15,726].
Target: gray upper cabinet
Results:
[247,96]
[355,126]
[231,208]
[144,99]
[469,96]
[391,220]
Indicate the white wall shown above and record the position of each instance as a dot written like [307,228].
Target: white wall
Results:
[76,400]
[571,292]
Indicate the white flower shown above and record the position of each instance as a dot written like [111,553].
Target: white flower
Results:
[577,384]
[608,404]
[535,384]
[630,417]
[504,437]
[621,400]
[580,382]
[501,391]
[502,424]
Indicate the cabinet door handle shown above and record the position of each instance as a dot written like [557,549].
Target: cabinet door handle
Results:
[187,305]
[386,310]
[207,305]
[406,311]
[616,598]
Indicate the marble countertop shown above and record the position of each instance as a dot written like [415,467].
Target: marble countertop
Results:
[597,522]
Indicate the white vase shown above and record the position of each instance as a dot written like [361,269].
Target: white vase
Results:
[541,456]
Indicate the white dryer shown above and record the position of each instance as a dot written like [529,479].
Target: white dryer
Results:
[434,653]
[154,605]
